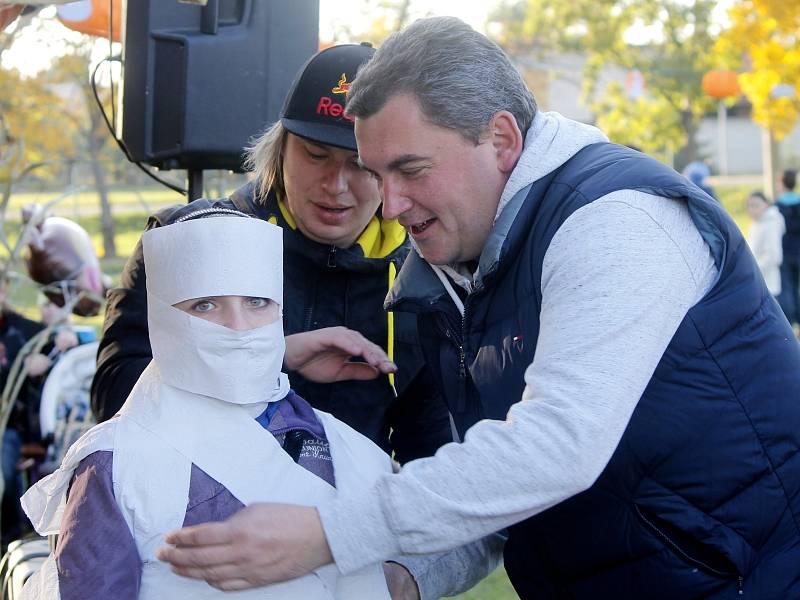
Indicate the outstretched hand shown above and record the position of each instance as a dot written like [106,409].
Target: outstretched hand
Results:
[261,544]
[325,355]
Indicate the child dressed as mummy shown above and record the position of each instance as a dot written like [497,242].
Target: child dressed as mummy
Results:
[210,427]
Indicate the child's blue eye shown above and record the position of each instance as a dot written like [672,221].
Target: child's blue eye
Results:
[203,306]
[254,302]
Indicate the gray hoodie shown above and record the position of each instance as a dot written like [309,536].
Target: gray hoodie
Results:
[617,280]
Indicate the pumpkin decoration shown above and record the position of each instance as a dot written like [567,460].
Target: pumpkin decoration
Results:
[721,84]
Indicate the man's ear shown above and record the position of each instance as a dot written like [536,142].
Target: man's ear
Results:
[506,139]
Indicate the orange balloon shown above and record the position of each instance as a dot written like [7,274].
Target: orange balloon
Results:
[721,84]
[96,23]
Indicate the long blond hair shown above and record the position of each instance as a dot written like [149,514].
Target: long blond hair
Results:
[264,158]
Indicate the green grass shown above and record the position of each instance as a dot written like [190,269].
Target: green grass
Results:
[495,587]
[90,198]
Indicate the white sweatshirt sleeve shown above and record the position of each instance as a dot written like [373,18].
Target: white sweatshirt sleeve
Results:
[770,255]
[454,571]
[618,278]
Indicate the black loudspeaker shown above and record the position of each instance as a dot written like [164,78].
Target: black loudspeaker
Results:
[200,81]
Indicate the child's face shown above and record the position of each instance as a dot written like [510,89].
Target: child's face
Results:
[756,206]
[50,313]
[239,313]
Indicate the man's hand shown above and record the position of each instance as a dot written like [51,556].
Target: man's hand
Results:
[259,545]
[400,582]
[323,355]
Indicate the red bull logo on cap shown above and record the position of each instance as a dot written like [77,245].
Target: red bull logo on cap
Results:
[342,86]
[326,106]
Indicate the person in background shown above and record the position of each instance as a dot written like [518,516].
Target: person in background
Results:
[22,428]
[789,204]
[698,172]
[765,238]
[66,335]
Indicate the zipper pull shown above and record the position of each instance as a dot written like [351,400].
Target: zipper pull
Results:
[332,257]
[461,405]
[741,585]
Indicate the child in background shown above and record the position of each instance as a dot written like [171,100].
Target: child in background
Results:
[765,239]
[66,335]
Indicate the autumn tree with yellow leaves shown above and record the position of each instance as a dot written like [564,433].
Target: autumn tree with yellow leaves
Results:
[763,43]
[665,116]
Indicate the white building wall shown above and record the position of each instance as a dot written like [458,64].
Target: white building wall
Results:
[745,145]
[556,83]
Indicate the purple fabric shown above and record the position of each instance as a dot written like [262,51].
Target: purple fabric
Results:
[296,413]
[209,500]
[97,556]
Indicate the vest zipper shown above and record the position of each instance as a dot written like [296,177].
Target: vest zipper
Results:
[691,559]
[332,257]
[462,371]
[462,380]
[461,402]
[308,312]
[461,377]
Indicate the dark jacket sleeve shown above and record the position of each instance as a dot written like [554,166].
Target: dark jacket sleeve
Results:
[419,419]
[124,350]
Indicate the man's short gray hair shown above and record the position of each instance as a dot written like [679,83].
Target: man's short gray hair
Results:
[459,77]
[264,158]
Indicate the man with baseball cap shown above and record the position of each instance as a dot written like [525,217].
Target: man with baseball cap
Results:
[340,259]
[314,106]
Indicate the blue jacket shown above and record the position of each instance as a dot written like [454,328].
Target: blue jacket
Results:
[789,205]
[701,498]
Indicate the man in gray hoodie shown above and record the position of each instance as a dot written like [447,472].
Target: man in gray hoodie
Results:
[591,316]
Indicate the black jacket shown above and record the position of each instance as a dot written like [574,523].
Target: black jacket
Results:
[15,332]
[324,286]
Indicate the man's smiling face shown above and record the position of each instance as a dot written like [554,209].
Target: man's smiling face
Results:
[441,187]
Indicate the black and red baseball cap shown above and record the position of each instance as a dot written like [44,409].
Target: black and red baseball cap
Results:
[314,106]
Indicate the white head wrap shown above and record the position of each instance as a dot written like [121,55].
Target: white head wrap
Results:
[217,256]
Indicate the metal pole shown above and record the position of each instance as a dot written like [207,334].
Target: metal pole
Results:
[195,177]
[722,130]
[768,162]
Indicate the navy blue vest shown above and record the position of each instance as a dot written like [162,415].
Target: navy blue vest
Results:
[702,496]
